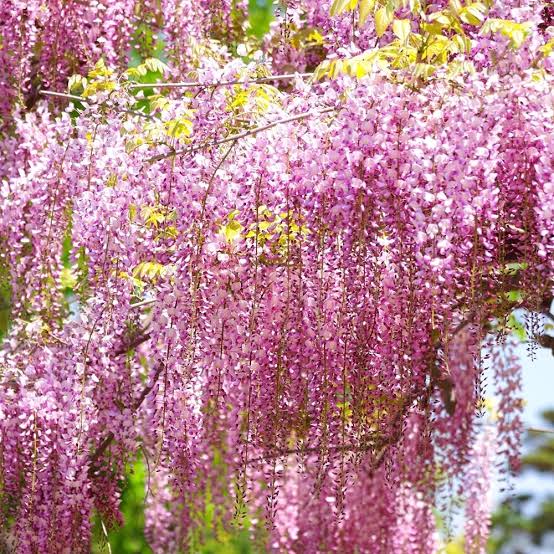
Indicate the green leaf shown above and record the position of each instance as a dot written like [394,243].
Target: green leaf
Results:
[514,267]
[68,279]
[260,15]
[514,296]
[146,43]
[517,329]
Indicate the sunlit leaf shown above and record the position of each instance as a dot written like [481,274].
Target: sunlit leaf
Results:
[383,18]
[401,28]
[366,9]
[340,6]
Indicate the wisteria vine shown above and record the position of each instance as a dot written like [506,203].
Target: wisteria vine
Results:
[284,291]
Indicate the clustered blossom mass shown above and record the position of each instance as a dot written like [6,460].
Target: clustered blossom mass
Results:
[289,317]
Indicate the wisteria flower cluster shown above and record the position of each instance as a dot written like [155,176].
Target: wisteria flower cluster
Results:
[284,296]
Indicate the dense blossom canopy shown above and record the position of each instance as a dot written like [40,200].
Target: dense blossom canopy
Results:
[285,294]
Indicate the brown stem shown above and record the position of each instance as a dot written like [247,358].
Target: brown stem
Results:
[107,440]
[137,341]
[215,84]
[244,134]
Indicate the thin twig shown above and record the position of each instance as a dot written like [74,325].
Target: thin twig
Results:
[540,430]
[63,95]
[197,84]
[85,101]
[244,134]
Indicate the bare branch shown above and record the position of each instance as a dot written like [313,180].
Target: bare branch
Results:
[146,391]
[546,341]
[108,439]
[85,101]
[99,451]
[250,132]
[63,95]
[310,450]
[142,303]
[137,341]
[539,430]
[197,84]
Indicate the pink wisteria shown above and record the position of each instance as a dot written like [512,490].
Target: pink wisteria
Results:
[292,319]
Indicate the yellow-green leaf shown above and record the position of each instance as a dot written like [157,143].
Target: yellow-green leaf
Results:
[437,48]
[516,32]
[460,44]
[383,18]
[538,75]
[401,28]
[455,5]
[149,270]
[474,14]
[76,83]
[456,68]
[232,231]
[547,48]
[366,8]
[339,6]
[68,279]
[100,70]
[442,18]
[156,65]
[424,70]
[306,38]
[415,6]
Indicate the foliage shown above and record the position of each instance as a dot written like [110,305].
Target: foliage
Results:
[260,14]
